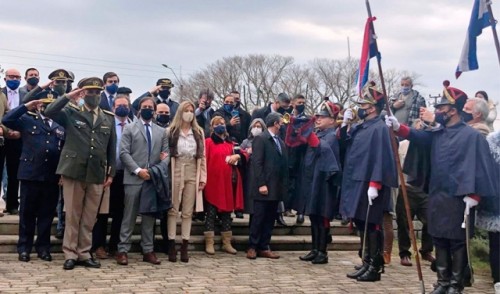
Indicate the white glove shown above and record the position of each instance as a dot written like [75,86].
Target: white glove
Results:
[348,115]
[372,194]
[469,203]
[392,122]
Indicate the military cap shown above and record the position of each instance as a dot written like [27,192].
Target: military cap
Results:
[328,109]
[124,90]
[452,96]
[91,83]
[71,76]
[370,95]
[59,74]
[46,96]
[165,82]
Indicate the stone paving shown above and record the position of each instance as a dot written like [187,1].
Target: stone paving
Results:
[222,273]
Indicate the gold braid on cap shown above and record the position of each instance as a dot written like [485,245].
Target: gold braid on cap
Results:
[325,105]
[366,91]
[446,93]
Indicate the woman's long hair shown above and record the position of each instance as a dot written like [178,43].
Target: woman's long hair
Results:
[177,121]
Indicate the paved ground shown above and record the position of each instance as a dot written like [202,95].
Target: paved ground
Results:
[221,273]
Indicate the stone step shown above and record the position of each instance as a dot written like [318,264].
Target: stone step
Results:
[197,243]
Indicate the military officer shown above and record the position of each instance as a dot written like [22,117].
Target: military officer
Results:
[59,80]
[161,92]
[43,140]
[87,166]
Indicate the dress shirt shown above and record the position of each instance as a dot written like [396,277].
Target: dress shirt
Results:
[186,146]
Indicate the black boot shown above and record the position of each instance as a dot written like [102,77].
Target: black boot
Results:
[280,220]
[443,269]
[172,252]
[322,256]
[314,236]
[376,266]
[360,269]
[458,266]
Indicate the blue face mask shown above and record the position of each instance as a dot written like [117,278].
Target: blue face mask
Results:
[228,107]
[111,89]
[13,84]
[442,118]
[122,111]
[220,129]
[405,90]
[147,113]
[362,113]
[81,102]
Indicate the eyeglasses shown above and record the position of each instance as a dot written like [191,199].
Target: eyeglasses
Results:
[13,77]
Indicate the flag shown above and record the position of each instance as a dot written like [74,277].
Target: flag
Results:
[368,51]
[479,19]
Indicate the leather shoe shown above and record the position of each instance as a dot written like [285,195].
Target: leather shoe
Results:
[239,214]
[45,255]
[151,258]
[101,253]
[428,256]
[14,212]
[24,256]
[268,254]
[69,264]
[300,219]
[251,254]
[122,258]
[93,263]
[406,261]
[60,234]
[280,220]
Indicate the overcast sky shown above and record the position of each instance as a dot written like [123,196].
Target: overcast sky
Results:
[133,38]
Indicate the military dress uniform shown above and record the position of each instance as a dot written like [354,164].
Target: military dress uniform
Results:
[43,140]
[87,159]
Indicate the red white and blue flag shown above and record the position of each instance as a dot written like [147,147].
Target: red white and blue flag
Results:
[368,51]
[480,18]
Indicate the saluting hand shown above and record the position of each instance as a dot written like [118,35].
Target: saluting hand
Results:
[75,94]
[32,105]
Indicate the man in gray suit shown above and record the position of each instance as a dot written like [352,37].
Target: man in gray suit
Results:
[13,145]
[141,146]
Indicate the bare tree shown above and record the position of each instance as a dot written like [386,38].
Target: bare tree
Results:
[392,79]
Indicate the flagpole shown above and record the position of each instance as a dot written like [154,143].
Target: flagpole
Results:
[396,157]
[493,29]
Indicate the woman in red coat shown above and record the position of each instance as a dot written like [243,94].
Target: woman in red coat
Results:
[224,189]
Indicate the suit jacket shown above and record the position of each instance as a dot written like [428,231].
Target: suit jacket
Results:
[4,107]
[41,145]
[104,104]
[89,153]
[270,168]
[22,93]
[134,149]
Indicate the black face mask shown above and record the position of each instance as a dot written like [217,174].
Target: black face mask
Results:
[33,81]
[164,93]
[69,87]
[300,108]
[467,116]
[237,104]
[163,118]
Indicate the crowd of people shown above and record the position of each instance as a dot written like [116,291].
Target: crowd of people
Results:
[91,154]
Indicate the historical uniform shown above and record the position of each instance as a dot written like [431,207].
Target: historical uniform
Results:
[87,159]
[43,140]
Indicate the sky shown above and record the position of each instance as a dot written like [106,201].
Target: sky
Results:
[133,38]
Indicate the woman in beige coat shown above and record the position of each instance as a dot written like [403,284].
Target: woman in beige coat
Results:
[188,173]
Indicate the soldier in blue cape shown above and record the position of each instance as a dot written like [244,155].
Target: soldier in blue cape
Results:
[462,171]
[368,175]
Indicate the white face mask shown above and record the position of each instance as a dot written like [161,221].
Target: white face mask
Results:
[256,131]
[187,116]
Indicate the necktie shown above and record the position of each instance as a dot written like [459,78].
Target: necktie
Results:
[122,124]
[148,137]
[94,116]
[277,141]
[110,101]
[46,122]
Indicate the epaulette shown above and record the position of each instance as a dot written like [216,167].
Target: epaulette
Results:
[73,106]
[32,113]
[108,112]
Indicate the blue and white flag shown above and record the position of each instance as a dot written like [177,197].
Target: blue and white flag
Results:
[480,18]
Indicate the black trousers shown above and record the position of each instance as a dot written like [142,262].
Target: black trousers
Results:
[38,206]
[495,255]
[418,207]
[262,224]
[12,150]
[116,196]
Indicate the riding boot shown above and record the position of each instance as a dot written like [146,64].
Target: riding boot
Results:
[459,263]
[443,268]
[184,251]
[375,268]
[172,253]
[322,256]
[314,251]
[364,259]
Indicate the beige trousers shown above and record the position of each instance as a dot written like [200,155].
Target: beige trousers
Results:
[184,196]
[81,201]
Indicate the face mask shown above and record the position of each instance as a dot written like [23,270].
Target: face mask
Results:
[42,109]
[300,108]
[92,100]
[111,89]
[13,84]
[467,116]
[163,118]
[220,129]
[33,81]
[228,107]
[147,113]
[362,114]
[81,102]
[442,118]
[187,117]
[405,90]
[60,89]
[237,104]
[69,87]
[122,111]
[164,93]
[256,131]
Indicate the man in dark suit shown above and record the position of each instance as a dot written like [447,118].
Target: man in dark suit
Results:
[43,140]
[32,77]
[270,167]
[111,82]
[245,117]
[87,166]
[204,111]
[161,92]
[12,143]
